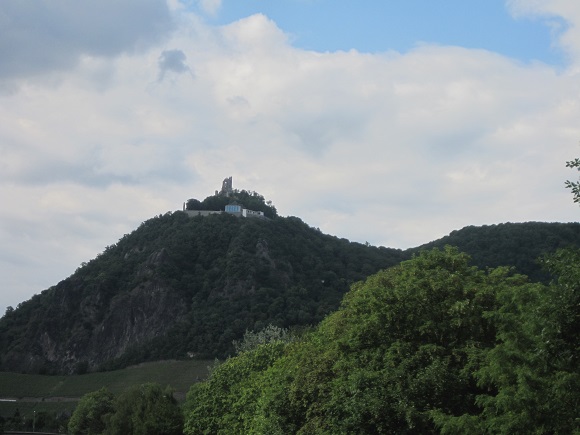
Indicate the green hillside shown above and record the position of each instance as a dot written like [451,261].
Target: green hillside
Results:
[54,398]
[180,375]
[183,286]
[511,244]
[433,345]
[180,287]
[376,339]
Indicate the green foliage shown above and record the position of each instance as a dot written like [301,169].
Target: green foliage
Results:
[396,350]
[193,204]
[223,402]
[530,379]
[574,186]
[535,366]
[511,244]
[142,409]
[145,409]
[252,339]
[432,345]
[564,306]
[90,413]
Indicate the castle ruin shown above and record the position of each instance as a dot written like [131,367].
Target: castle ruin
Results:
[227,188]
[233,208]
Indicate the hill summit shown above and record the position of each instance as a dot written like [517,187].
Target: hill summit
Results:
[187,283]
[229,200]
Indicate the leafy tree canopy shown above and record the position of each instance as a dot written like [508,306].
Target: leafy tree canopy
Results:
[431,345]
[142,409]
[146,409]
[90,413]
[574,186]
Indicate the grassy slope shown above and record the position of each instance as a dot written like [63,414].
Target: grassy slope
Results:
[59,393]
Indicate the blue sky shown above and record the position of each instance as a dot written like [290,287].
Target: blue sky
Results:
[388,122]
[380,25]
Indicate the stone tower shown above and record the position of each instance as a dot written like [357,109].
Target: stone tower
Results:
[227,187]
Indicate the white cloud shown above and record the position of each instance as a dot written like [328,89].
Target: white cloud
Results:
[210,7]
[391,149]
[563,16]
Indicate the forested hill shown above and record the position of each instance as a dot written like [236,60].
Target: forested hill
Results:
[186,287]
[511,244]
[182,287]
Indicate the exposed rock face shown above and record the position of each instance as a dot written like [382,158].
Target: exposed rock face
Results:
[131,319]
[108,326]
[146,312]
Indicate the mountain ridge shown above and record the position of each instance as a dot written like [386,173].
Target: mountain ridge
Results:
[163,291]
[186,287]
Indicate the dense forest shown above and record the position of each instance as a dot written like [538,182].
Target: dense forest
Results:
[181,287]
[519,245]
[187,287]
[317,334]
[433,345]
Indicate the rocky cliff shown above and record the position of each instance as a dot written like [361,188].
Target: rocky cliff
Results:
[78,325]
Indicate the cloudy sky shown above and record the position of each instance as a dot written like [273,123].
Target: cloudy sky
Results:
[382,121]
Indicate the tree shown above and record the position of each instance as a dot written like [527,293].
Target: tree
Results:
[400,351]
[432,345]
[193,204]
[396,351]
[574,185]
[227,401]
[530,379]
[269,334]
[145,409]
[89,415]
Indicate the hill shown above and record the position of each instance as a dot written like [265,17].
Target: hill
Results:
[50,400]
[182,287]
[510,244]
[33,388]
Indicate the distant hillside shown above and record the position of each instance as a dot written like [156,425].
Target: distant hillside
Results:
[180,287]
[186,287]
[511,244]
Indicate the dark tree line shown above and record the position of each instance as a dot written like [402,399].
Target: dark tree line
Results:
[142,409]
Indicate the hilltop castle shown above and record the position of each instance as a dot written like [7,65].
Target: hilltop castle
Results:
[227,188]
[233,208]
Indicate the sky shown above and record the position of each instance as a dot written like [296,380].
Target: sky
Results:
[386,122]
